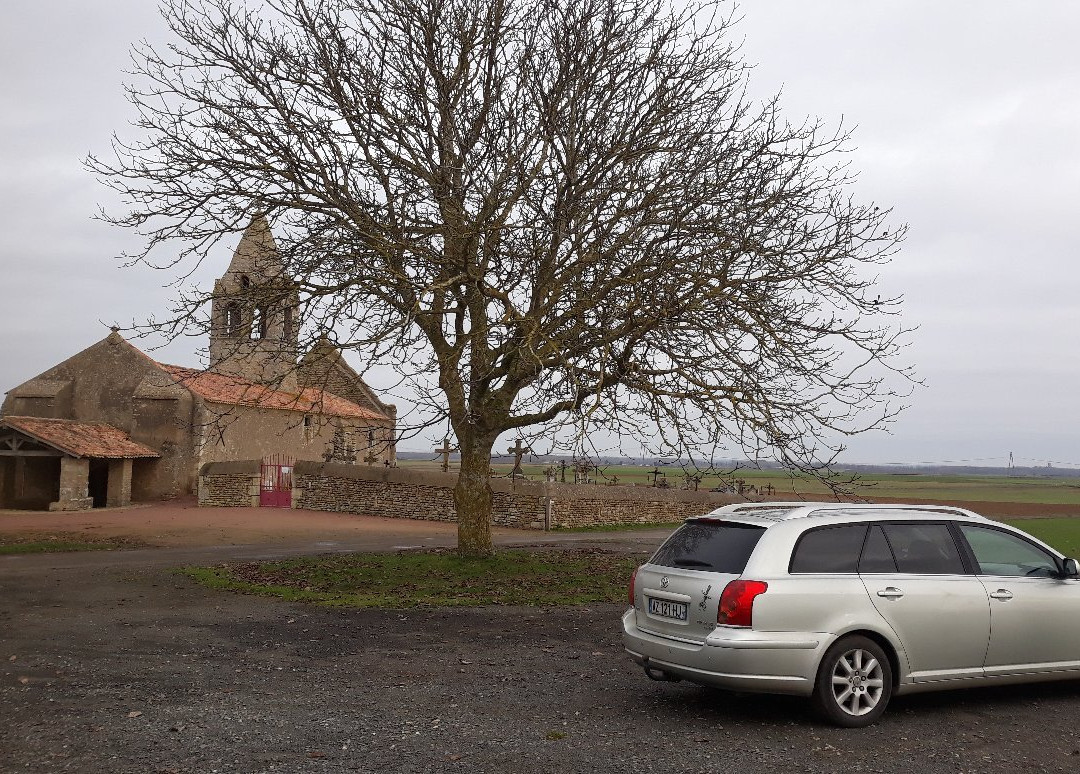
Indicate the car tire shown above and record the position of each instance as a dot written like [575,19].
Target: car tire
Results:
[854,682]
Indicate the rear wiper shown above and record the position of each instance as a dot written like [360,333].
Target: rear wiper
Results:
[687,562]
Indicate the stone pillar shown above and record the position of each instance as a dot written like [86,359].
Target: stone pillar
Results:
[255,491]
[74,486]
[119,489]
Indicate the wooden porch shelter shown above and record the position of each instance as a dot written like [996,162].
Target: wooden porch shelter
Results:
[64,465]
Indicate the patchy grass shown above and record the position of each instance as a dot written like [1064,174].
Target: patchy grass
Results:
[61,542]
[440,578]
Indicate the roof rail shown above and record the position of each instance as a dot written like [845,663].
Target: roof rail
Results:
[800,509]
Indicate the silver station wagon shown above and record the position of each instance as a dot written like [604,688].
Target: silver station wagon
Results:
[852,604]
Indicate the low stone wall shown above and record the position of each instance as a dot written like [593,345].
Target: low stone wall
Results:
[588,505]
[402,493]
[229,484]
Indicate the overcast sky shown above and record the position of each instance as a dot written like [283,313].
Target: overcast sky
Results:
[967,119]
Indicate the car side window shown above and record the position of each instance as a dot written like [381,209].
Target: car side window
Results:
[876,554]
[928,549]
[829,549]
[1003,553]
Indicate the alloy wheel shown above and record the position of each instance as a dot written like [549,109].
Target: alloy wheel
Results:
[857,682]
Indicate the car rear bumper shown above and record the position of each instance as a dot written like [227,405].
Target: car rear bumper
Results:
[735,659]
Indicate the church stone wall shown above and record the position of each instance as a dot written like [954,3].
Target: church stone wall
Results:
[410,494]
[245,433]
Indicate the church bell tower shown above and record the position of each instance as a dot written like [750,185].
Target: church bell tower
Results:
[253,327]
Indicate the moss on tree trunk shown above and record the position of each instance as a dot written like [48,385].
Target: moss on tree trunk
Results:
[473,499]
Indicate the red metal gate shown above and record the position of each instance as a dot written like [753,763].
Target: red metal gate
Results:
[276,488]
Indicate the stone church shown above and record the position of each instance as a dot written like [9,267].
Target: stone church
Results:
[110,424]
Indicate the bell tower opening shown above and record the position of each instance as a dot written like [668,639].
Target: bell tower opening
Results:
[253,311]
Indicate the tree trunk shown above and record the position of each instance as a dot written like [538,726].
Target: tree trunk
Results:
[473,499]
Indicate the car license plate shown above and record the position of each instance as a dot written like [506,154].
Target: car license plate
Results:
[665,608]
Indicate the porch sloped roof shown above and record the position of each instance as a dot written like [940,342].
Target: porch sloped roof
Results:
[80,439]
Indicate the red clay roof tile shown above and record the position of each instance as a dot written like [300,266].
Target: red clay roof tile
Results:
[80,439]
[232,390]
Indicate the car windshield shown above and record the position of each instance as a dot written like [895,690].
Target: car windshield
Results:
[710,545]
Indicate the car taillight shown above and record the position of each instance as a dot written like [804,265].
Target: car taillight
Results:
[633,579]
[737,602]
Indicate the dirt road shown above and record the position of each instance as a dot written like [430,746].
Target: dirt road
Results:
[110,662]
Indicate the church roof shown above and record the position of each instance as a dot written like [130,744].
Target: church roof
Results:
[80,439]
[232,390]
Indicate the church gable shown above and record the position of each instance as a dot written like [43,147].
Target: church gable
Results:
[324,368]
[96,383]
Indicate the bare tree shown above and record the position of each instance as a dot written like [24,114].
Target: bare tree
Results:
[568,210]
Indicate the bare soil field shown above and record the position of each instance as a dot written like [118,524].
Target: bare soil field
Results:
[997,510]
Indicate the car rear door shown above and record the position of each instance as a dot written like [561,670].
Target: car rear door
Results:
[1034,621]
[917,581]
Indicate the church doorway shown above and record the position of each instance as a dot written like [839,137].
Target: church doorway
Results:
[98,482]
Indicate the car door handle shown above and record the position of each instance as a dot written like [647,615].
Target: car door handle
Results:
[1003,594]
[890,592]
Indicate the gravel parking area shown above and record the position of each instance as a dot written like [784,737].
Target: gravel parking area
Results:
[109,662]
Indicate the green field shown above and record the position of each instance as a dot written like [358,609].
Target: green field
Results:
[1062,534]
[897,486]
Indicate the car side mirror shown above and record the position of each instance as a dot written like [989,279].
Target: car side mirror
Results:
[1071,567]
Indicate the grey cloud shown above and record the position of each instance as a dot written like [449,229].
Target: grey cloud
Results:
[967,119]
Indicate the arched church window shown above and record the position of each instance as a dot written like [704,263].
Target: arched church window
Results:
[259,324]
[245,281]
[287,325]
[232,320]
[370,438]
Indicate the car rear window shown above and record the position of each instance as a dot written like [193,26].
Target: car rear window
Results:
[829,549]
[710,546]
[927,549]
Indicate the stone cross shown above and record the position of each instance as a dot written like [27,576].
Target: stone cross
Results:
[339,449]
[656,473]
[444,452]
[518,451]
